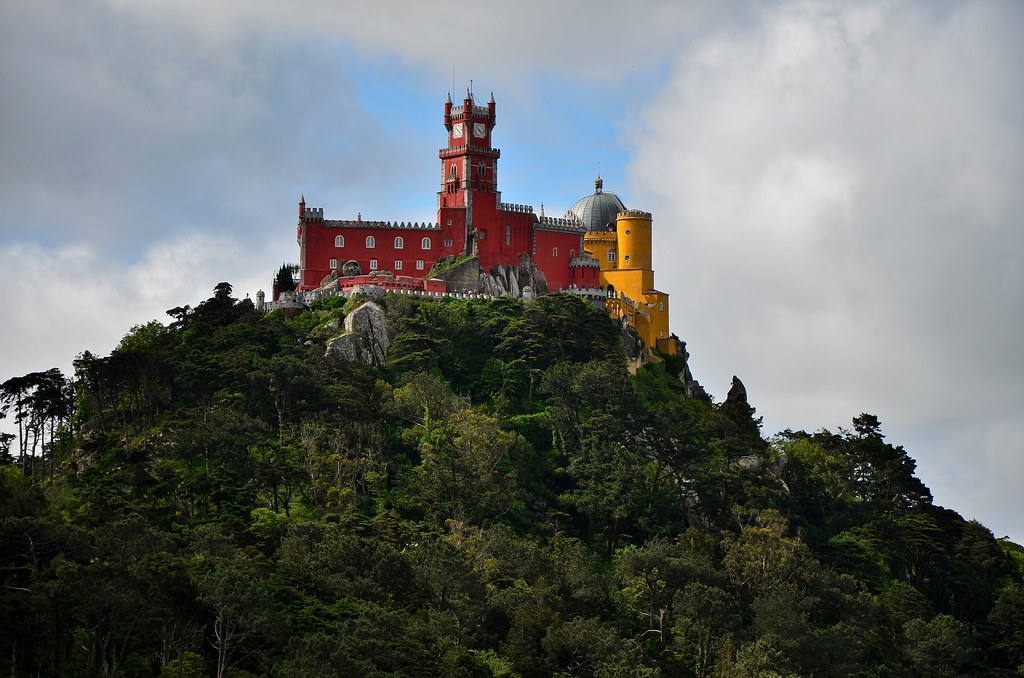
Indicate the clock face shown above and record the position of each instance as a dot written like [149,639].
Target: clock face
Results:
[479,129]
[457,130]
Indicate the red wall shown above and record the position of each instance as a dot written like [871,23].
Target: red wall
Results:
[556,266]
[320,249]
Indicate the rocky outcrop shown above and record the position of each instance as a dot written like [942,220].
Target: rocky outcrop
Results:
[462,278]
[365,339]
[330,282]
[737,393]
[693,387]
[514,281]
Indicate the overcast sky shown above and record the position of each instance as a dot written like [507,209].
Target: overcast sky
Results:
[836,187]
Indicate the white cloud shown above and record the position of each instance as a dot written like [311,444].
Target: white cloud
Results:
[843,182]
[63,301]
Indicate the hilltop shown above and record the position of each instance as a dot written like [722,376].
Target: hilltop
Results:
[494,493]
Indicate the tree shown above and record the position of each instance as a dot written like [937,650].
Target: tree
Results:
[283,281]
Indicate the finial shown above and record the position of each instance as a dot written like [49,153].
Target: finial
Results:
[303,199]
[359,216]
[491,100]
[542,209]
[598,184]
[449,99]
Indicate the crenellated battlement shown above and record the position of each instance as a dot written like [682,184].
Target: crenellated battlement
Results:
[511,207]
[561,224]
[313,214]
[397,225]
[585,262]
[472,148]
[636,213]
[473,110]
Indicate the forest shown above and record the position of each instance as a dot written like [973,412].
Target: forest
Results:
[501,497]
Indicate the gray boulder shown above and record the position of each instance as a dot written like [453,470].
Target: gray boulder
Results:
[365,339]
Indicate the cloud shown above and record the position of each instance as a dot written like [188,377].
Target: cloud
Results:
[842,182]
[70,299]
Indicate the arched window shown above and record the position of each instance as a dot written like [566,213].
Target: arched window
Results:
[399,243]
[611,256]
[339,241]
[481,168]
[370,241]
[425,244]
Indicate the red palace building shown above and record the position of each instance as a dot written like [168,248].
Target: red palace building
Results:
[471,221]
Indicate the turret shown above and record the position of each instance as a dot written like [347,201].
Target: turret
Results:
[302,206]
[633,232]
[490,110]
[448,112]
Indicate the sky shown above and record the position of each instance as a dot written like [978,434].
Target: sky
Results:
[836,187]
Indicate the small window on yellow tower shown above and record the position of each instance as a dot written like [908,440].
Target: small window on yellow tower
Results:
[611,256]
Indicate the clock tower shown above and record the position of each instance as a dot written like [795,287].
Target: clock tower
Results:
[469,168]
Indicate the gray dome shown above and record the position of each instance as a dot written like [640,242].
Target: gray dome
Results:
[596,211]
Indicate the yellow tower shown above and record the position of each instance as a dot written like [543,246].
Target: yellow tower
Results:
[624,245]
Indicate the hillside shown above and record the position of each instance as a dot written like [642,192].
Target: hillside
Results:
[500,497]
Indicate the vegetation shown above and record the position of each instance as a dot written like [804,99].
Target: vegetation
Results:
[502,498]
[448,263]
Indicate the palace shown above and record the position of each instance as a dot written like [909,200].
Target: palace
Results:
[599,248]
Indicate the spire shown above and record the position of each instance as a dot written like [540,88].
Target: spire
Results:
[491,100]
[449,99]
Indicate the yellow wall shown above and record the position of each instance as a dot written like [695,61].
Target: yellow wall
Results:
[632,277]
[597,244]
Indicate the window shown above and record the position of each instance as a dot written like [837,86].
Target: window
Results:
[371,241]
[339,241]
[449,222]
[398,264]
[449,243]
[480,169]
[373,264]
[419,264]
[625,258]
[425,244]
[628,231]
[554,251]
[334,262]
[661,305]
[399,243]
[508,234]
[611,256]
